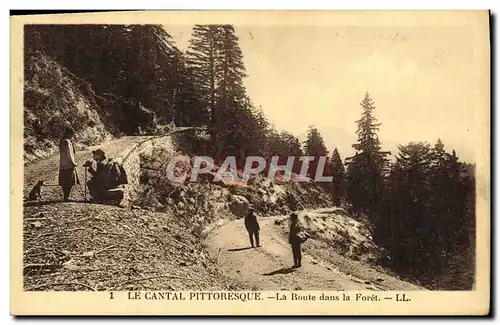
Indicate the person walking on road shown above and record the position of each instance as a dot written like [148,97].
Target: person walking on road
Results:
[252,226]
[67,172]
[295,239]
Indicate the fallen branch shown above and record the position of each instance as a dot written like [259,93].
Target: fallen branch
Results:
[105,249]
[149,168]
[35,219]
[45,252]
[80,220]
[158,239]
[61,284]
[155,277]
[55,232]
[181,243]
[32,248]
[41,266]
[217,258]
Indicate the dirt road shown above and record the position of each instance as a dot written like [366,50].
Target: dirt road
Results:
[269,267]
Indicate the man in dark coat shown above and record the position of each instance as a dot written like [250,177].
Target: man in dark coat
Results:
[252,226]
[99,180]
[295,240]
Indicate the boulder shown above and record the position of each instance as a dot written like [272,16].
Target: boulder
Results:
[239,205]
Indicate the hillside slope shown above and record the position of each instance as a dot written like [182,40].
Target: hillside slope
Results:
[55,98]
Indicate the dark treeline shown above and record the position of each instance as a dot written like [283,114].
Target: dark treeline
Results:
[139,77]
[421,206]
[141,80]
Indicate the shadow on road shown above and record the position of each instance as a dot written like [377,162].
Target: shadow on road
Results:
[284,270]
[239,249]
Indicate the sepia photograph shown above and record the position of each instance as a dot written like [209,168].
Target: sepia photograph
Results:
[211,160]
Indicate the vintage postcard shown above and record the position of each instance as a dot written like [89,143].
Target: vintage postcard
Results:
[250,163]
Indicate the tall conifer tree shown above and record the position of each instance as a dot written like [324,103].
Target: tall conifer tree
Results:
[337,170]
[367,168]
[315,146]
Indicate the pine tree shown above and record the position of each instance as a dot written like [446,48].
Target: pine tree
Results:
[191,110]
[201,58]
[233,106]
[430,220]
[368,167]
[284,144]
[412,236]
[135,71]
[314,146]
[337,170]
[216,59]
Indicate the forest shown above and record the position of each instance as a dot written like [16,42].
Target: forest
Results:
[419,201]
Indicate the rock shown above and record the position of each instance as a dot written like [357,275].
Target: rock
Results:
[252,180]
[239,205]
[379,280]
[36,224]
[71,265]
[208,176]
[88,254]
[38,215]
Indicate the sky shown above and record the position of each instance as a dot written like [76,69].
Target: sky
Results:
[426,81]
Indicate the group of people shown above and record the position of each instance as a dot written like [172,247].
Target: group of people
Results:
[100,184]
[295,238]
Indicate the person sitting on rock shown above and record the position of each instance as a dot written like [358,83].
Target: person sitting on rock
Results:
[107,179]
[98,183]
[252,226]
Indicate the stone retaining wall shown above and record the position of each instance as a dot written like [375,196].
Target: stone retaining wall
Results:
[131,161]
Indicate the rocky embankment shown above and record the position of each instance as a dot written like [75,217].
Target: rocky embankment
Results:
[53,99]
